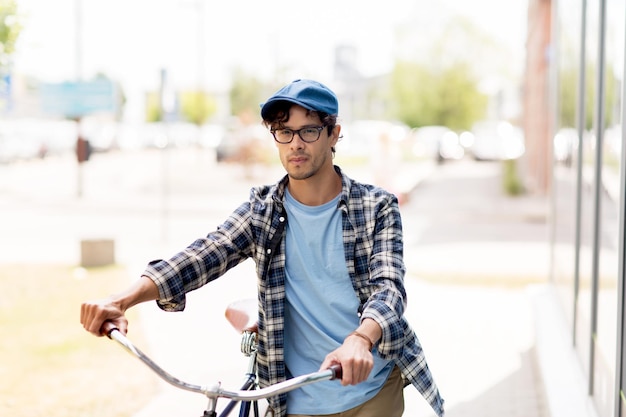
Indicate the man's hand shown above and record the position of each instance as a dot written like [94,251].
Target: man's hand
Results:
[354,354]
[93,314]
[355,358]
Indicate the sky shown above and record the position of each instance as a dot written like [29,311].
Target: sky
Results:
[200,42]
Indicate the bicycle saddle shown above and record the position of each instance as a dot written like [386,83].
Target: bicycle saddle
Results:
[243,315]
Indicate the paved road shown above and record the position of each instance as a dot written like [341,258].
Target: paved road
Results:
[470,252]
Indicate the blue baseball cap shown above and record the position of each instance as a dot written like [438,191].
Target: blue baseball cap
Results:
[311,95]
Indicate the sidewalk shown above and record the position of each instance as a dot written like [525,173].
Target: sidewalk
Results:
[500,344]
[471,253]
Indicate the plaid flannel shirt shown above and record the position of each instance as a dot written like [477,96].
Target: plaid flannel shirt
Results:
[373,245]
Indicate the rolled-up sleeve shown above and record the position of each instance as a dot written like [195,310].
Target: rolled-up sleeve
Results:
[202,261]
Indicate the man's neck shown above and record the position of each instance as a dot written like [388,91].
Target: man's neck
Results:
[317,190]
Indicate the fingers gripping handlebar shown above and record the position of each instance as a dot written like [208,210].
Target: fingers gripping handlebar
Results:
[107,328]
[337,372]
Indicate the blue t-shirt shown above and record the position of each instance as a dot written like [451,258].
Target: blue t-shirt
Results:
[321,309]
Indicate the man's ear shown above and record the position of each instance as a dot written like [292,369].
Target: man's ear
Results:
[335,134]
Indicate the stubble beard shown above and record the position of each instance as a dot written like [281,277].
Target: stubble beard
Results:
[316,165]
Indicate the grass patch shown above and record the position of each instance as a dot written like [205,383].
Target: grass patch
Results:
[51,366]
[511,181]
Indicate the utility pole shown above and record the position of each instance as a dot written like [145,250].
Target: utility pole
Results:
[82,147]
[201,54]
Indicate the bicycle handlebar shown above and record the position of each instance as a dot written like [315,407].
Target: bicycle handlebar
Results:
[334,372]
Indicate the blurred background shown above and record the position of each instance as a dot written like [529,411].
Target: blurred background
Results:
[130,128]
[204,67]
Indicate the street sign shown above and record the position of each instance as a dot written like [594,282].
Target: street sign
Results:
[76,99]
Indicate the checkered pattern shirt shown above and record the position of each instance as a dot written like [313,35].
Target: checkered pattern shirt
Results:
[373,246]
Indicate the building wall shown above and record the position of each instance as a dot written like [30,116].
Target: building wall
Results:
[583,98]
[536,97]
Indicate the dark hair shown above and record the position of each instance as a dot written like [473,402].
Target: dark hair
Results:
[278,115]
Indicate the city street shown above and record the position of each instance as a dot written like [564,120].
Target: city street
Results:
[471,252]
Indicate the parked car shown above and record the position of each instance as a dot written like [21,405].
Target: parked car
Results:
[364,138]
[243,143]
[497,140]
[438,142]
[211,135]
[26,138]
[565,144]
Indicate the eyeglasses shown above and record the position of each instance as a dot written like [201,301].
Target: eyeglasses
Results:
[307,134]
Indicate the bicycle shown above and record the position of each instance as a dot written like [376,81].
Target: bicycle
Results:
[242,316]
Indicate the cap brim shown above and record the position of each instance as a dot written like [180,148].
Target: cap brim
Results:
[270,104]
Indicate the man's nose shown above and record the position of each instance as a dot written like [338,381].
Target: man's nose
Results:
[296,141]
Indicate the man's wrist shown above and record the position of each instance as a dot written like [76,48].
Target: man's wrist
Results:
[364,337]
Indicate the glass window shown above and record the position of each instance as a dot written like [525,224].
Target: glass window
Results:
[565,153]
[608,234]
[583,313]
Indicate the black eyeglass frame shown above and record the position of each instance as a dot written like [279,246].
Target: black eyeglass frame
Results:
[297,131]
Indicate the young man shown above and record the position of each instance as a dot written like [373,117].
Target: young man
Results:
[329,260]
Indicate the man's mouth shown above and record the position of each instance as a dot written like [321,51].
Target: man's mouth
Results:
[297,159]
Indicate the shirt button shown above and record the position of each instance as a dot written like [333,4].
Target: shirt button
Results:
[281,219]
[269,251]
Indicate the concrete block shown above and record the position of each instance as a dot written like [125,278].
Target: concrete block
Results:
[97,252]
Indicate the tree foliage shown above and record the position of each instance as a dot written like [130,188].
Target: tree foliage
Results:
[449,97]
[10,29]
[192,106]
[153,107]
[568,86]
[197,107]
[438,80]
[245,94]
[568,97]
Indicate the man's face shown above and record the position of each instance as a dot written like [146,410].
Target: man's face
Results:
[302,160]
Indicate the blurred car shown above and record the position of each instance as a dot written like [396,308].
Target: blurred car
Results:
[497,141]
[25,139]
[438,142]
[243,143]
[613,142]
[364,138]
[211,135]
[101,133]
[565,144]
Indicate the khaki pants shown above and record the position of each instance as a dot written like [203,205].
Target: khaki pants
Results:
[389,402]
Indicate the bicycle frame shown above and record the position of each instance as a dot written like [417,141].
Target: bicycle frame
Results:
[249,391]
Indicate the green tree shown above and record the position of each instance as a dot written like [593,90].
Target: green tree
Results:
[568,97]
[568,86]
[461,104]
[412,94]
[437,82]
[153,107]
[423,96]
[194,106]
[197,107]
[245,94]
[10,29]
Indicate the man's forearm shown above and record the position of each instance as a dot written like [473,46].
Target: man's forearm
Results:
[144,289]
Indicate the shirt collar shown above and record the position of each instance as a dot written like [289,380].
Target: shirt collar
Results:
[346,185]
